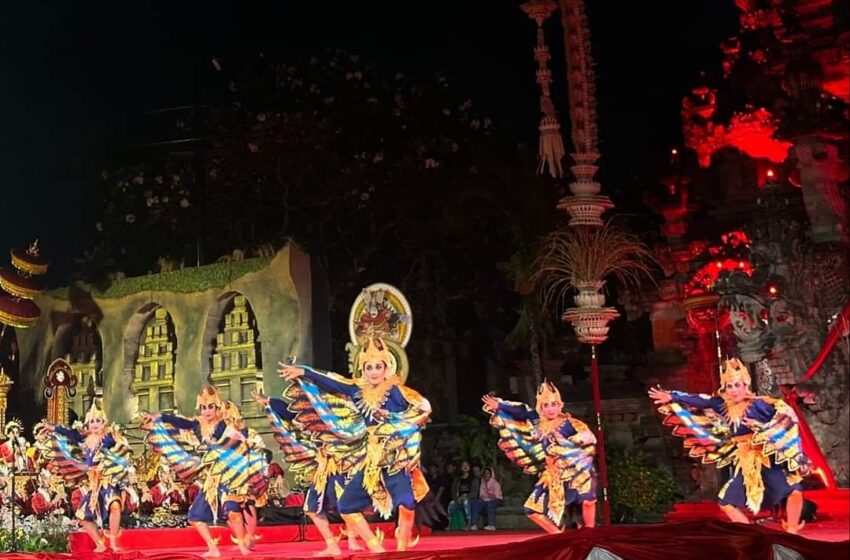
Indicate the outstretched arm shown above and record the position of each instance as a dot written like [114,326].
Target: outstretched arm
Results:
[325,381]
[281,408]
[180,422]
[516,410]
[70,434]
[696,400]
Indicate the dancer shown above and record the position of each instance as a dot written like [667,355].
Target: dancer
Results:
[375,408]
[550,443]
[103,472]
[758,436]
[233,417]
[232,471]
[323,461]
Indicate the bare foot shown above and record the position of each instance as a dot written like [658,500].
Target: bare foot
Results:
[353,546]
[101,547]
[332,549]
[212,553]
[113,544]
[793,529]
[376,547]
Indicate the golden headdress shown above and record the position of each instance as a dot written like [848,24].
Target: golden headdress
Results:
[374,349]
[208,395]
[231,414]
[39,426]
[13,423]
[734,370]
[547,392]
[95,412]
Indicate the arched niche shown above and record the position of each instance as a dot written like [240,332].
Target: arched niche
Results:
[150,351]
[231,353]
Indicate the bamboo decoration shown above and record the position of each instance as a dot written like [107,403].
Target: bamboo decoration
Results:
[551,149]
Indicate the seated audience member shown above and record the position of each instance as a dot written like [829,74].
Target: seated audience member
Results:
[429,511]
[464,487]
[489,499]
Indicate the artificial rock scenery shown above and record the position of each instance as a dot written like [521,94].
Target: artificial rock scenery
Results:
[150,343]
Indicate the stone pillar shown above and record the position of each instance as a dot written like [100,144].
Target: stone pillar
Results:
[819,167]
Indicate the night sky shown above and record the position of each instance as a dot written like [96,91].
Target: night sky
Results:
[76,76]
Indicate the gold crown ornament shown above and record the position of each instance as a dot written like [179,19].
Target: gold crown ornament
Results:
[734,370]
[208,396]
[95,412]
[374,349]
[547,392]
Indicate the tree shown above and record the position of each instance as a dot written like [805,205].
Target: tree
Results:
[371,171]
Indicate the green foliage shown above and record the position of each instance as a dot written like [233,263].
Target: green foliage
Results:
[478,441]
[184,280]
[638,491]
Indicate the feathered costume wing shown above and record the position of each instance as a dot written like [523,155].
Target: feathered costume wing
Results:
[67,458]
[780,438]
[518,441]
[573,458]
[239,467]
[231,459]
[338,423]
[707,434]
[181,453]
[709,437]
[116,462]
[113,464]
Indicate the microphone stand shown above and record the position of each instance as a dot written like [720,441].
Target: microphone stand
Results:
[13,541]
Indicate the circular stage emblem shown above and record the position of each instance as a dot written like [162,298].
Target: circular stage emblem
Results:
[381,310]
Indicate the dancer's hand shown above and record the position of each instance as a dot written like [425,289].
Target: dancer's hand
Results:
[659,395]
[260,397]
[491,403]
[47,428]
[586,437]
[290,373]
[147,417]
[380,414]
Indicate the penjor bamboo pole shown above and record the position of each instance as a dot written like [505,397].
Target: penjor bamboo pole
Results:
[600,437]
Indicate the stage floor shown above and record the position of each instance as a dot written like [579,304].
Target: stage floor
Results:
[692,540]
[434,543]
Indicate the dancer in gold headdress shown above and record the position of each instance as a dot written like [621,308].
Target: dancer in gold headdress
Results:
[323,464]
[104,471]
[550,443]
[379,413]
[222,454]
[757,436]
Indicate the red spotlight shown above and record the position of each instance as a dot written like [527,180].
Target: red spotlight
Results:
[769,174]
